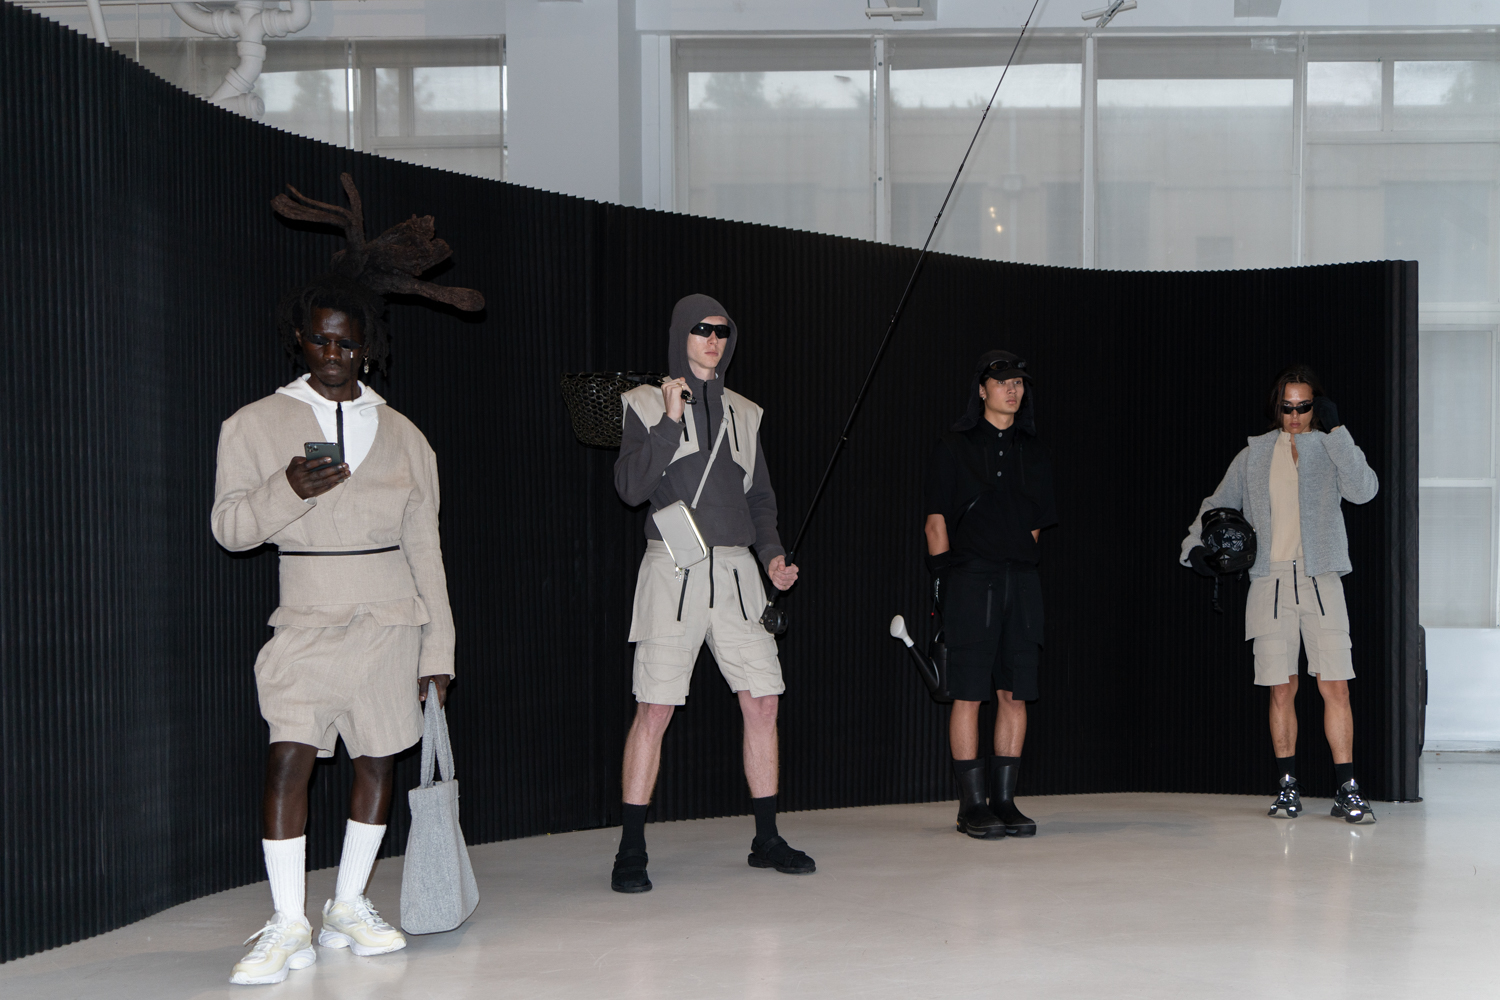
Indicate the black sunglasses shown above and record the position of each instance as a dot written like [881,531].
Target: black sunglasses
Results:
[994,370]
[1301,407]
[318,340]
[705,329]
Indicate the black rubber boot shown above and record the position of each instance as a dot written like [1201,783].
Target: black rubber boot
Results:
[974,817]
[1003,799]
[629,874]
[778,854]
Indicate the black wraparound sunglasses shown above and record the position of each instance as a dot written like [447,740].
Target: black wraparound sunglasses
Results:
[1301,407]
[705,329]
[318,340]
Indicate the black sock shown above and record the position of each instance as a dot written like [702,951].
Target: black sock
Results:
[1343,773]
[1006,761]
[1286,765]
[765,818]
[960,766]
[633,836]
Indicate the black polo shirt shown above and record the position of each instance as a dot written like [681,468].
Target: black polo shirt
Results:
[1015,500]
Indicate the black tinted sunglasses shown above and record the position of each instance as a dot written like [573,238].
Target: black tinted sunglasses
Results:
[1301,407]
[318,340]
[994,370]
[705,329]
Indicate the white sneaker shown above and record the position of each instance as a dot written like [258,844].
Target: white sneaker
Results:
[358,927]
[284,943]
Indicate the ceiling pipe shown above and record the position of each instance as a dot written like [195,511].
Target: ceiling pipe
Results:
[96,16]
[250,21]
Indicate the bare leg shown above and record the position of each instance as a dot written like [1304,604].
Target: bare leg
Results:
[284,805]
[643,751]
[1010,725]
[1338,719]
[963,730]
[762,756]
[1284,717]
[370,800]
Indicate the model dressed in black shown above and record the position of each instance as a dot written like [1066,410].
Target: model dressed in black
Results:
[989,495]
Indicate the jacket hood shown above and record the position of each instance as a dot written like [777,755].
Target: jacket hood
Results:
[690,311]
[974,406]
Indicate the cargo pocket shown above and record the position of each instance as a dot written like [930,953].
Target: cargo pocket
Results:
[1269,646]
[658,593]
[1330,594]
[758,666]
[1029,594]
[663,671]
[1260,608]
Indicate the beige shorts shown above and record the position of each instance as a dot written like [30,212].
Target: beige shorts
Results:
[676,612]
[358,681]
[1288,609]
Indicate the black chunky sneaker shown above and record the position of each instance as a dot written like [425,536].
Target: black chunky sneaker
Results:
[1348,803]
[974,817]
[1002,781]
[778,854]
[1289,799]
[630,872]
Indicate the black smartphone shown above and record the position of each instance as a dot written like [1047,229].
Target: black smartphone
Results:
[324,449]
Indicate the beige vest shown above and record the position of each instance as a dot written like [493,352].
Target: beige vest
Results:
[740,438]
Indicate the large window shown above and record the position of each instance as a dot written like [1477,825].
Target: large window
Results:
[438,102]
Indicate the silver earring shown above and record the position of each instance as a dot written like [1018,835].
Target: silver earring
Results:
[367,366]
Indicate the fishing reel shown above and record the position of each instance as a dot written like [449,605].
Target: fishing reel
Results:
[775,620]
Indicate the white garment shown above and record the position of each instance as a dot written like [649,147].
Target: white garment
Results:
[361,417]
[286,864]
[361,844]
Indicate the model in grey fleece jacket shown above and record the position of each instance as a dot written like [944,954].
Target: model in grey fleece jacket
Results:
[738,506]
[1330,468]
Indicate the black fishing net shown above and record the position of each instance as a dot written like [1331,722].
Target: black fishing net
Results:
[593,400]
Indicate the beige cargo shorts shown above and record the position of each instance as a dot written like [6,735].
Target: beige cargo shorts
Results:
[719,601]
[1287,609]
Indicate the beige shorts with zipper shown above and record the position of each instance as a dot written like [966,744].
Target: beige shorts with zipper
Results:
[1286,610]
[718,601]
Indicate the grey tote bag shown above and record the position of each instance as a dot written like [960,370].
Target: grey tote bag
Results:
[438,891]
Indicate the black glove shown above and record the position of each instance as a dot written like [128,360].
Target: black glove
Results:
[1326,412]
[1198,557]
[938,566]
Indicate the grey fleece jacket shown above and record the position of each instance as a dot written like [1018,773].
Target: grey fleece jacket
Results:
[727,513]
[1330,468]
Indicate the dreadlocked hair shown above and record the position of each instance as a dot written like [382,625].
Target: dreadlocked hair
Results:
[334,291]
[366,271]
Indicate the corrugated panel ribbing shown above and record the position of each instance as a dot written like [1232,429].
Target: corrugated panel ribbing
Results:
[141,263]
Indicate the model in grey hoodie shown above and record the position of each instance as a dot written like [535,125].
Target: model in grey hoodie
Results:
[666,448]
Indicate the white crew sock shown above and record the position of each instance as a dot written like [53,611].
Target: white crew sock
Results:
[286,864]
[361,844]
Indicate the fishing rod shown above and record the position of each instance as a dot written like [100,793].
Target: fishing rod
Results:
[774,619]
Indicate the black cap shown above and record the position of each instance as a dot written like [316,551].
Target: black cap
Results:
[1002,365]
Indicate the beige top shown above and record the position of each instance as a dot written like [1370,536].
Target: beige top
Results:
[1286,509]
[391,499]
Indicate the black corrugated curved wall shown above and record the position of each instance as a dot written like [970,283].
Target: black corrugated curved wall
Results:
[140,263]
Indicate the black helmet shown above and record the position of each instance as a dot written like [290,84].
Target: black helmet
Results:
[1229,539]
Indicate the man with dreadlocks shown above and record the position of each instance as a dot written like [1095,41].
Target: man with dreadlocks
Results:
[363,626]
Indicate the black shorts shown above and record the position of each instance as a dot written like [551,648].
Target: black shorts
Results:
[992,623]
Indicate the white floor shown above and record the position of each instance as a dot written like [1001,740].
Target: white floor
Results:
[1118,896]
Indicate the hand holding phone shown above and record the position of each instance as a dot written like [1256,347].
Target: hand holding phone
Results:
[318,471]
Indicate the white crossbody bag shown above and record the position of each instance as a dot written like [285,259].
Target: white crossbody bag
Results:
[675,521]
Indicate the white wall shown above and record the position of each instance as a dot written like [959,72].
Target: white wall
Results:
[1463,688]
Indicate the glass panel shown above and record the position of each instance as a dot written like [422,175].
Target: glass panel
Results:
[1195,173]
[308,102]
[1429,202]
[1456,95]
[1454,414]
[1457,547]
[476,162]
[388,102]
[785,148]
[1018,199]
[457,100]
[1343,96]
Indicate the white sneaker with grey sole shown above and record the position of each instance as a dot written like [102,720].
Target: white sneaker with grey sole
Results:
[283,944]
[358,927]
